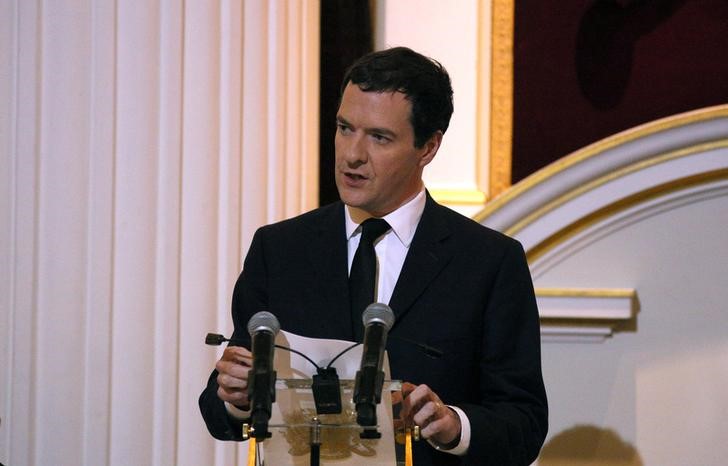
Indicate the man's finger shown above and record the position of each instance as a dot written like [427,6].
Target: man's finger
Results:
[434,427]
[231,383]
[233,369]
[427,414]
[237,354]
[415,399]
[236,397]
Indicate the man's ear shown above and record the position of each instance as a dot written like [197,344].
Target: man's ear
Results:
[430,148]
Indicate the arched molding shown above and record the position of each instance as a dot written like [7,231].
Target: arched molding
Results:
[693,141]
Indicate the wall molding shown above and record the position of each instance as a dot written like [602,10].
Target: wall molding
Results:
[584,314]
[667,135]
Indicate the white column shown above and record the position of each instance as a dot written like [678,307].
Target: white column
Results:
[100,231]
[142,143]
[229,246]
[199,227]
[61,218]
[19,234]
[167,297]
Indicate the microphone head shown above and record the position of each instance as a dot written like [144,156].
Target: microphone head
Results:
[263,321]
[378,313]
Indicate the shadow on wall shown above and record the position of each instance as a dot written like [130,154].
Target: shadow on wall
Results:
[588,446]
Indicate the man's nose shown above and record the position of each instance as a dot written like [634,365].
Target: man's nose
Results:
[355,152]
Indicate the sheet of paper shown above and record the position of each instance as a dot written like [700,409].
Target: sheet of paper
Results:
[294,409]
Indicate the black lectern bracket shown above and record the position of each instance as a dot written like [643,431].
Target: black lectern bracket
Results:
[327,391]
[370,434]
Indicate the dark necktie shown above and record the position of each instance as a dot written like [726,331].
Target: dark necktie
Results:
[363,275]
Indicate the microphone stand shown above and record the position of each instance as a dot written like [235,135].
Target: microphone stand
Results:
[315,442]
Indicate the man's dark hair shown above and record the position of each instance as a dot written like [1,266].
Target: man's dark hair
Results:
[423,81]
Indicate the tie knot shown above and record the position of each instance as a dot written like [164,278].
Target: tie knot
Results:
[373,228]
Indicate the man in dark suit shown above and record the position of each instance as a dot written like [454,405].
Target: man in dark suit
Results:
[452,283]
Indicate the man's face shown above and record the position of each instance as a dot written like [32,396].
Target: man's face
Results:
[378,168]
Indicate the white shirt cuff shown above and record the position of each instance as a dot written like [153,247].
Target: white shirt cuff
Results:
[462,447]
[236,412]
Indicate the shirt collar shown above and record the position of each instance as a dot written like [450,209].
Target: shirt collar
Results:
[403,220]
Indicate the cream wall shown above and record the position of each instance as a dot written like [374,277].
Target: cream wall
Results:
[655,395]
[457,35]
[142,144]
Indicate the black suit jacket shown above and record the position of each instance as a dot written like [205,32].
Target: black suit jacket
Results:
[464,289]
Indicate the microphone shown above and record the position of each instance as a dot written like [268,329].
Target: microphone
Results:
[263,327]
[378,318]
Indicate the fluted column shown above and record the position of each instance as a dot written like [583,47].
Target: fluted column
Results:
[143,142]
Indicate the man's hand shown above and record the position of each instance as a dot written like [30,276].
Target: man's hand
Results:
[422,407]
[232,377]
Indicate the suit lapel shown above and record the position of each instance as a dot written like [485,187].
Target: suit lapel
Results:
[328,254]
[429,252]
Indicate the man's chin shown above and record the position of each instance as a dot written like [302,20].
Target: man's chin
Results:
[353,201]
[356,202]
[351,196]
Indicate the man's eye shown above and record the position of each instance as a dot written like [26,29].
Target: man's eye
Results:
[343,128]
[380,138]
